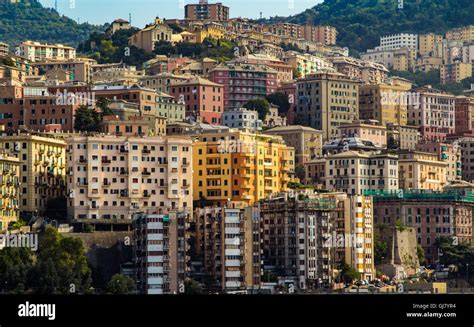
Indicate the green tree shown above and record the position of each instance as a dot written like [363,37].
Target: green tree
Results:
[87,120]
[421,255]
[380,251]
[120,284]
[192,287]
[300,172]
[103,104]
[15,268]
[281,100]
[348,273]
[260,105]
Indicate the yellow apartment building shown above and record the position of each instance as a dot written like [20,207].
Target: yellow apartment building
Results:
[240,166]
[42,172]
[9,186]
[421,171]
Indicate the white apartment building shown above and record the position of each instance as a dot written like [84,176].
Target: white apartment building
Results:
[398,41]
[159,252]
[355,172]
[111,178]
[242,119]
[36,51]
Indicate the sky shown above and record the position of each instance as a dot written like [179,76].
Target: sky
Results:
[144,11]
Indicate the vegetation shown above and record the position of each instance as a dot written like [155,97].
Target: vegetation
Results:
[454,253]
[380,250]
[120,284]
[192,287]
[30,20]
[360,23]
[421,255]
[281,100]
[111,49]
[220,50]
[260,105]
[59,267]
[348,274]
[87,119]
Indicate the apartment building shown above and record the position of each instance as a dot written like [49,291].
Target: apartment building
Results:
[42,168]
[421,171]
[445,152]
[465,33]
[204,100]
[385,103]
[307,141]
[431,213]
[169,108]
[36,51]
[77,69]
[300,237]
[360,70]
[367,131]
[160,248]
[228,240]
[10,189]
[433,113]
[327,100]
[242,119]
[398,41]
[147,38]
[244,82]
[315,172]
[284,70]
[355,172]
[305,63]
[110,178]
[117,76]
[403,59]
[11,104]
[205,11]
[4,49]
[403,137]
[326,35]
[162,82]
[455,72]
[466,142]
[240,166]
[463,113]
[428,43]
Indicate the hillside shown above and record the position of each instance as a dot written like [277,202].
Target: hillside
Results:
[361,22]
[30,20]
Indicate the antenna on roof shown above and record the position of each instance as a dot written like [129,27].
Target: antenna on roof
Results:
[56,5]
[130,18]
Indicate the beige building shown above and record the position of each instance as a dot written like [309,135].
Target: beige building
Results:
[356,172]
[4,49]
[428,42]
[146,38]
[110,178]
[461,34]
[307,141]
[42,173]
[421,171]
[118,76]
[455,72]
[365,130]
[36,51]
[403,137]
[78,70]
[10,190]
[326,101]
[448,153]
[386,103]
[118,25]
[163,82]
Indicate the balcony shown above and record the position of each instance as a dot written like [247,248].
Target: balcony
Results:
[106,161]
[123,172]
[186,163]
[82,161]
[82,184]
[146,194]
[146,151]
[146,173]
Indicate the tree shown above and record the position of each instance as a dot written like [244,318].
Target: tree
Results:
[103,104]
[260,105]
[421,255]
[15,268]
[380,251]
[454,253]
[61,265]
[192,287]
[87,120]
[281,100]
[120,284]
[300,172]
[348,273]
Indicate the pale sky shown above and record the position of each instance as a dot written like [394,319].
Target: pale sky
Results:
[144,11]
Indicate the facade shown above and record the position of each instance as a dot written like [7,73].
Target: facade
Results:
[327,100]
[228,240]
[169,108]
[244,82]
[466,143]
[354,172]
[160,248]
[204,100]
[162,82]
[386,103]
[433,114]
[464,111]
[428,42]
[146,38]
[118,25]
[300,238]
[306,141]
[403,137]
[421,171]
[4,49]
[397,41]
[78,69]
[206,11]
[431,214]
[110,178]
[240,166]
[305,63]
[455,72]
[284,70]
[42,163]
[445,152]
[10,188]
[36,51]
[242,119]
[403,59]
[461,34]
[365,130]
